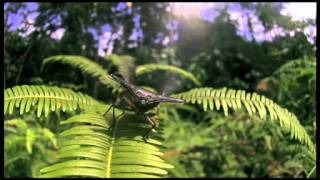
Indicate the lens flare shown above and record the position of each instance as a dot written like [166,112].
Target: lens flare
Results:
[186,10]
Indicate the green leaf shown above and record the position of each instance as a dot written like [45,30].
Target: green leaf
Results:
[90,148]
[85,65]
[147,68]
[254,104]
[47,99]
[30,137]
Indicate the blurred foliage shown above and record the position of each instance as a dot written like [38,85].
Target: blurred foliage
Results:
[230,147]
[201,144]
[29,145]
[287,81]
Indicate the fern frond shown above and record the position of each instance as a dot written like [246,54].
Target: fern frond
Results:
[308,65]
[211,98]
[85,65]
[91,149]
[46,99]
[147,68]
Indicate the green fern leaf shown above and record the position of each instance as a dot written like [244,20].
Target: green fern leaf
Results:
[254,104]
[298,66]
[85,65]
[91,149]
[46,99]
[147,68]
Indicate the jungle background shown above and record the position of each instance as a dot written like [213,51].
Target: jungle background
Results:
[234,45]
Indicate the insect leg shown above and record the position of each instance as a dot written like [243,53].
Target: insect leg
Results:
[150,114]
[108,109]
[153,125]
[113,116]
[113,113]
[120,116]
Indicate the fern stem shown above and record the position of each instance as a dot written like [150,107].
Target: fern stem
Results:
[21,97]
[109,158]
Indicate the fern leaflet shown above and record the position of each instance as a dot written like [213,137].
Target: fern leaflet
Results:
[224,98]
[96,151]
[46,99]
[299,65]
[147,68]
[85,65]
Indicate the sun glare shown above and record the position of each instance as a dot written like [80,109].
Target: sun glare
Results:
[186,9]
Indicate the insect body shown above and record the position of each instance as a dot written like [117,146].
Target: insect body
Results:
[140,100]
